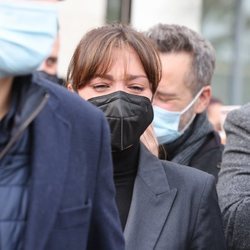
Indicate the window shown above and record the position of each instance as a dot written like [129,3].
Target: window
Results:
[118,11]
[226,23]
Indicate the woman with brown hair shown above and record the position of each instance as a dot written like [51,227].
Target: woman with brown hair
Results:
[162,205]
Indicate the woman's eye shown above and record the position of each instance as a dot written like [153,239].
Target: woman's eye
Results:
[100,86]
[136,88]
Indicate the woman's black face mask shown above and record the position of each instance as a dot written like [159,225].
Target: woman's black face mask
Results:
[128,116]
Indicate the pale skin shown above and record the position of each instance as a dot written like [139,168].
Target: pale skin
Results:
[6,84]
[172,93]
[126,74]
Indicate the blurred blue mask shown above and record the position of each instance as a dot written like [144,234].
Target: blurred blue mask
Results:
[27,32]
[166,123]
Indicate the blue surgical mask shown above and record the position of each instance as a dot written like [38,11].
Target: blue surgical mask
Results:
[166,123]
[27,32]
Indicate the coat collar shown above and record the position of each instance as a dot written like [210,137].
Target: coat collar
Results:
[50,156]
[151,203]
[27,101]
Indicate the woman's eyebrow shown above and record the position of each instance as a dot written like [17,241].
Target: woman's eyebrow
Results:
[132,77]
[107,77]
[127,77]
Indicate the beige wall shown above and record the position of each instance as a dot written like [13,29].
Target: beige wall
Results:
[146,13]
[77,17]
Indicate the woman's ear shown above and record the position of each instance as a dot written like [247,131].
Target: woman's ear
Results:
[203,100]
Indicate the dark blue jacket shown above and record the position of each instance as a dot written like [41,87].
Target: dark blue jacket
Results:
[71,194]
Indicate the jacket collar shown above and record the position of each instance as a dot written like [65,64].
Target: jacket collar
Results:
[151,203]
[27,101]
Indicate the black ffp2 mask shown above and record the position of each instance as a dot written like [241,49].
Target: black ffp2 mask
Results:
[128,116]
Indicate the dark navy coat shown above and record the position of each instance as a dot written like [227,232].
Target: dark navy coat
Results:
[71,193]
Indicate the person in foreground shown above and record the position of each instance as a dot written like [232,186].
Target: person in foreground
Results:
[57,190]
[234,178]
[180,122]
[162,205]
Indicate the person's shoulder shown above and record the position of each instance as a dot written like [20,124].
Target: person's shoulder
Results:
[65,98]
[238,120]
[57,91]
[186,176]
[239,114]
[212,144]
[70,105]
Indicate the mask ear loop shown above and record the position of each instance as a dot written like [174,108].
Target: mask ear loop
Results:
[188,124]
[187,108]
[150,141]
[192,102]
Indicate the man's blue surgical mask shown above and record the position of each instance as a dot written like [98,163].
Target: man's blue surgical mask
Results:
[166,123]
[27,32]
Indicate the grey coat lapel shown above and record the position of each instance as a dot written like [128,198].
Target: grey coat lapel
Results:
[49,165]
[151,203]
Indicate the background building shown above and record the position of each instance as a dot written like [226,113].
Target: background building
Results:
[226,23]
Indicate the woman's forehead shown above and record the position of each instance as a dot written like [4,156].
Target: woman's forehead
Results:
[124,60]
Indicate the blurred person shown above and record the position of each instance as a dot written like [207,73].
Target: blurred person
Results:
[180,102]
[215,117]
[214,113]
[162,205]
[234,178]
[57,190]
[49,67]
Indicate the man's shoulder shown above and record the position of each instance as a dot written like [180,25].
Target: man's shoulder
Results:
[211,143]
[209,154]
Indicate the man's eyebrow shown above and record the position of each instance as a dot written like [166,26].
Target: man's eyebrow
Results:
[165,94]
